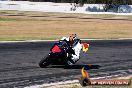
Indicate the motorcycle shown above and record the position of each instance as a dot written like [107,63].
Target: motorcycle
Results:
[59,54]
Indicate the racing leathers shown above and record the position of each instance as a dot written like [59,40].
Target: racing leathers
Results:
[76,47]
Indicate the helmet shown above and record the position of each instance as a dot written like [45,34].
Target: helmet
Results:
[73,36]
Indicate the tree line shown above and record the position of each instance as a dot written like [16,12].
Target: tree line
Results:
[121,2]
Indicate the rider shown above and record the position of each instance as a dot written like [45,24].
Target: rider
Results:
[75,45]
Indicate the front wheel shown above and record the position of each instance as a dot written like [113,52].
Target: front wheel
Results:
[45,61]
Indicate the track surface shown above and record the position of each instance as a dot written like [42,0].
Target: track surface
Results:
[19,63]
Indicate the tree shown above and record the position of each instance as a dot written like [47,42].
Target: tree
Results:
[128,2]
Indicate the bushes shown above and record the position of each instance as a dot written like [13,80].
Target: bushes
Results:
[86,1]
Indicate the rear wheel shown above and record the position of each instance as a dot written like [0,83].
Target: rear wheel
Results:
[45,61]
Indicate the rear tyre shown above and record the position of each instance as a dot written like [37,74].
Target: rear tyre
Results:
[45,61]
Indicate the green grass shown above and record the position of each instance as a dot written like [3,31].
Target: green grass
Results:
[37,13]
[26,38]
[8,19]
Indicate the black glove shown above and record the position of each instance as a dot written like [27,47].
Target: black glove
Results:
[71,51]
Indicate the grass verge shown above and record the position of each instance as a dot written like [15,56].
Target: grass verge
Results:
[77,85]
[41,26]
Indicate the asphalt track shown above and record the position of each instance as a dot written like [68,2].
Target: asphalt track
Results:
[19,63]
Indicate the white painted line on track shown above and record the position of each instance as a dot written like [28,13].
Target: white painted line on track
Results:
[52,84]
[57,40]
[69,82]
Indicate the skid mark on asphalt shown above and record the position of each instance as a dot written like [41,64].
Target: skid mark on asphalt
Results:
[18,68]
[19,65]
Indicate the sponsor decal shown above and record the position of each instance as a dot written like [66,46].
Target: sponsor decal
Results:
[85,47]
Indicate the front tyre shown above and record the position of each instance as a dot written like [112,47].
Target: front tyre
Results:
[45,61]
